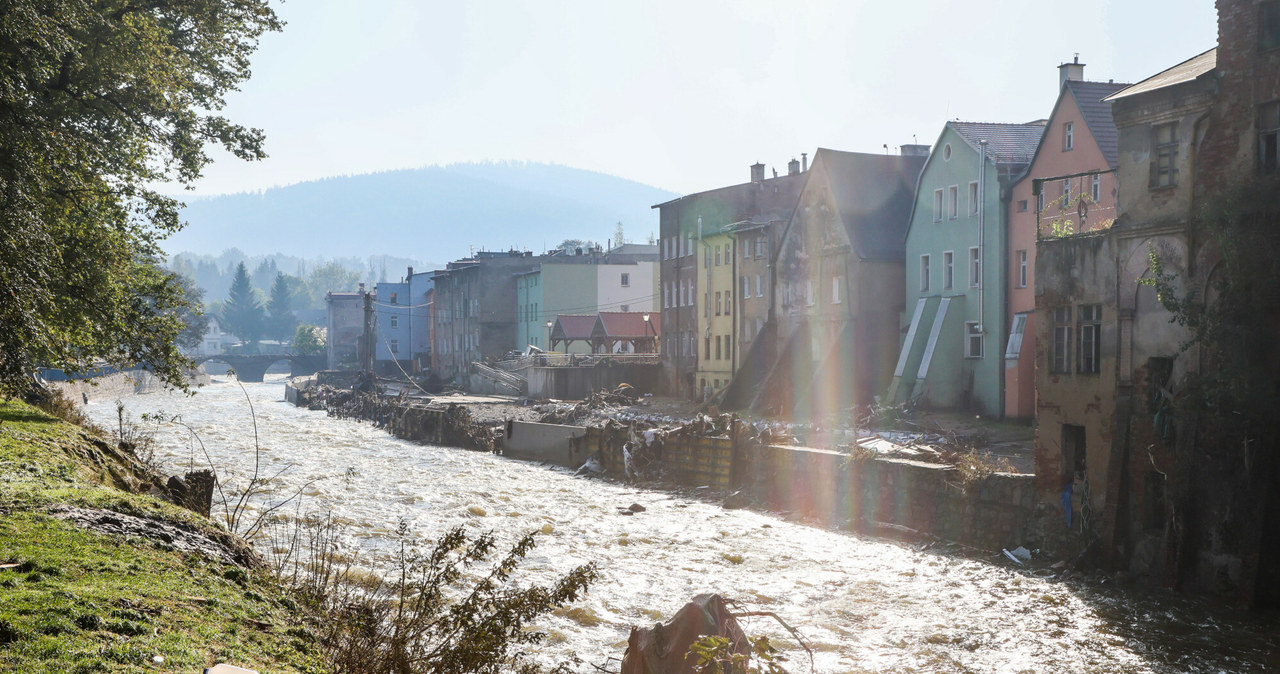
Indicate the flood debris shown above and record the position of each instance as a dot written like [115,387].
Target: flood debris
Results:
[664,648]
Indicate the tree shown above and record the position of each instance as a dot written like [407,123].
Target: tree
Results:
[195,322]
[330,276]
[309,340]
[619,235]
[280,306]
[99,103]
[242,314]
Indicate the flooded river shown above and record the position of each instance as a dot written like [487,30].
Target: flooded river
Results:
[864,605]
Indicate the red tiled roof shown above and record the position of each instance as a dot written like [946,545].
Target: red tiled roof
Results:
[570,326]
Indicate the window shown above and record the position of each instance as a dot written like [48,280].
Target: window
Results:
[759,285]
[626,280]
[719,305]
[717,256]
[972,339]
[746,286]
[706,304]
[393,298]
[1164,153]
[1022,269]
[707,347]
[762,246]
[1014,348]
[937,205]
[666,295]
[728,250]
[706,254]
[395,346]
[953,202]
[1269,136]
[718,352]
[1269,26]
[395,321]
[1066,193]
[975,268]
[946,152]
[728,303]
[1022,206]
[973,198]
[948,270]
[924,273]
[1061,341]
[1040,200]
[1068,135]
[746,250]
[835,289]
[728,349]
[1090,333]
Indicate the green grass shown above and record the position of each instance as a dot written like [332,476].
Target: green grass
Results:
[79,601]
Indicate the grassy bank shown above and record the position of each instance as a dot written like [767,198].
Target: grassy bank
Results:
[98,576]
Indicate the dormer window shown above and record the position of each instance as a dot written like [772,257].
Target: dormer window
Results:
[1068,135]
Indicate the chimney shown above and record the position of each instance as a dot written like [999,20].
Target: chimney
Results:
[914,150]
[406,276]
[804,162]
[1070,71]
[757,172]
[793,167]
[361,287]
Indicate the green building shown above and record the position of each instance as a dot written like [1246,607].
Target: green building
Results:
[956,296]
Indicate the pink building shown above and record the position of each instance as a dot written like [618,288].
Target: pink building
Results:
[1070,187]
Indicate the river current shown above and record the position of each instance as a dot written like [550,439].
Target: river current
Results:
[863,604]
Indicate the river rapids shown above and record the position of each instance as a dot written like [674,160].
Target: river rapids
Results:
[863,604]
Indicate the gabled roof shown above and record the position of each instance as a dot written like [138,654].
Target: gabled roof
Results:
[573,326]
[1007,144]
[1186,71]
[765,201]
[627,325]
[1097,114]
[873,195]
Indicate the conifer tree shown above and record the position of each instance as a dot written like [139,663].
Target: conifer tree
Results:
[280,306]
[242,314]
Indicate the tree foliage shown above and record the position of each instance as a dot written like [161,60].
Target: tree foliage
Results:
[242,313]
[99,101]
[308,340]
[195,323]
[280,305]
[456,607]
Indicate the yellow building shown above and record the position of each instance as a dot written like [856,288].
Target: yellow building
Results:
[717,309]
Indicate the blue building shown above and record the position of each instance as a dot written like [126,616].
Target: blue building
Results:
[402,319]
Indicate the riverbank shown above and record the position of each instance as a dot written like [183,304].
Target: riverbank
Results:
[849,481]
[98,574]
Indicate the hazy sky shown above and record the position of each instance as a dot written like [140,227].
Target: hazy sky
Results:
[683,95]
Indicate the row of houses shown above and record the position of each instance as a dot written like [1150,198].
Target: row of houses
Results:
[1001,271]
[480,308]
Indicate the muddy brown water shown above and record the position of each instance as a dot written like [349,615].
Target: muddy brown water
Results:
[864,605]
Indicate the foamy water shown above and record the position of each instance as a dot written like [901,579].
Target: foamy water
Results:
[864,605]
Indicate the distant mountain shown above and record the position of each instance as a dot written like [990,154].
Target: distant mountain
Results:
[434,213]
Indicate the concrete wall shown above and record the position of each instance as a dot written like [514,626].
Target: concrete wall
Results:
[828,486]
[576,383]
[543,442]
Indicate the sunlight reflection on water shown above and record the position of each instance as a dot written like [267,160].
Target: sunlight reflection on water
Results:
[865,605]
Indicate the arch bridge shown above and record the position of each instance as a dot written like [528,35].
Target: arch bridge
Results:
[252,368]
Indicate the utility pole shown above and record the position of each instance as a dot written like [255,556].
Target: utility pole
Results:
[366,342]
